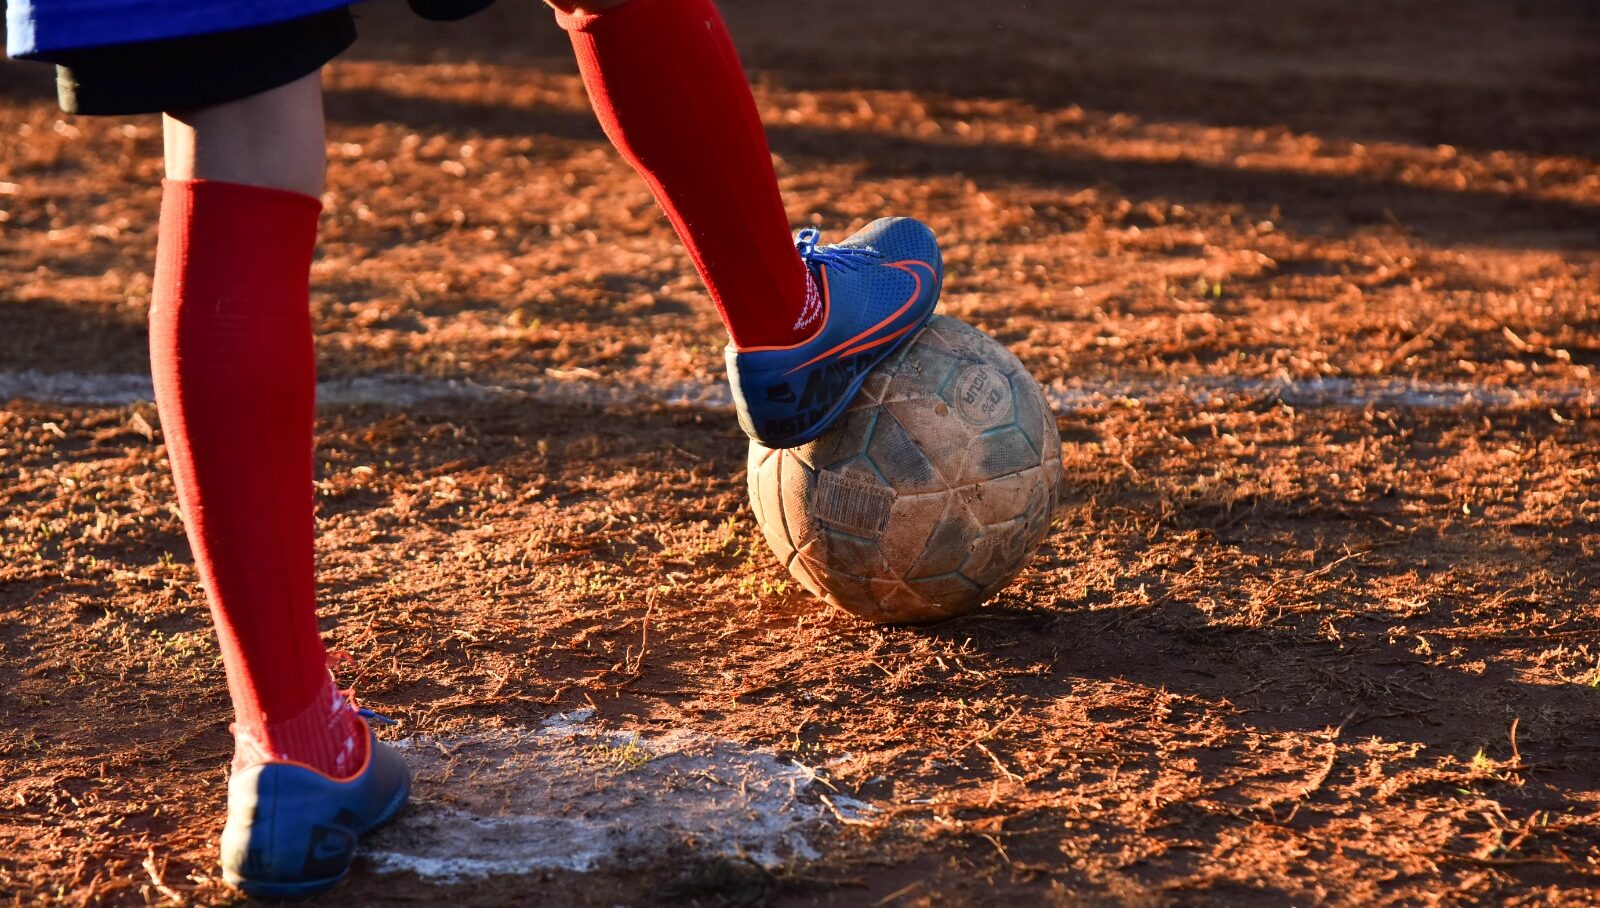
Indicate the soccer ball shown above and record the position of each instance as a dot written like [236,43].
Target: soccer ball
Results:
[931,492]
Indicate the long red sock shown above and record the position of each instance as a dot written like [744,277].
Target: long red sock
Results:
[235,377]
[668,88]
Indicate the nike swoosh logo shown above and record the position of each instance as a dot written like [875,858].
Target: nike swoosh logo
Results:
[848,348]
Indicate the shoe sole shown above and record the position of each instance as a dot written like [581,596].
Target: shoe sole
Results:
[281,890]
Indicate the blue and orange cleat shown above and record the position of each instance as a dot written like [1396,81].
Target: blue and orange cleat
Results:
[292,830]
[876,289]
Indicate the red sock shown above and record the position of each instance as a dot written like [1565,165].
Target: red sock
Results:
[235,377]
[667,86]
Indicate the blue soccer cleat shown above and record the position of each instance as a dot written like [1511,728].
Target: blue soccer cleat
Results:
[877,288]
[292,830]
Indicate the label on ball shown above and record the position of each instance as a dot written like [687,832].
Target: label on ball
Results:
[859,507]
[982,396]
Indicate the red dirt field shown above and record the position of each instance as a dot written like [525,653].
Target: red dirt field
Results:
[1282,647]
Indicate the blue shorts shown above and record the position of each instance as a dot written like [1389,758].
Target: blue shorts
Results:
[39,29]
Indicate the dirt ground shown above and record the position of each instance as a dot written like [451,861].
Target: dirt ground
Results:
[1272,654]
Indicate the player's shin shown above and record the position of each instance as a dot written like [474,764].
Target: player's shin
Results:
[667,86]
[808,320]
[235,376]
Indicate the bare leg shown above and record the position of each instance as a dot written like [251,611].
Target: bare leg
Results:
[275,139]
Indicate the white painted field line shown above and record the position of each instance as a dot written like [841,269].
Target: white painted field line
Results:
[575,795]
[1065,396]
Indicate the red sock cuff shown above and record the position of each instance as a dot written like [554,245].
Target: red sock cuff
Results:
[209,215]
[231,238]
[265,194]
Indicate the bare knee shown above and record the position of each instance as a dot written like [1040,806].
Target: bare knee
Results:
[274,139]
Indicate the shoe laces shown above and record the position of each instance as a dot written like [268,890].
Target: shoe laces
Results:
[848,258]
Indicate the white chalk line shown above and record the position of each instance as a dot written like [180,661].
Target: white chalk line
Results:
[73,388]
[576,796]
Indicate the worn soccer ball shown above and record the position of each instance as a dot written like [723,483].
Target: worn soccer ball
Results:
[929,495]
